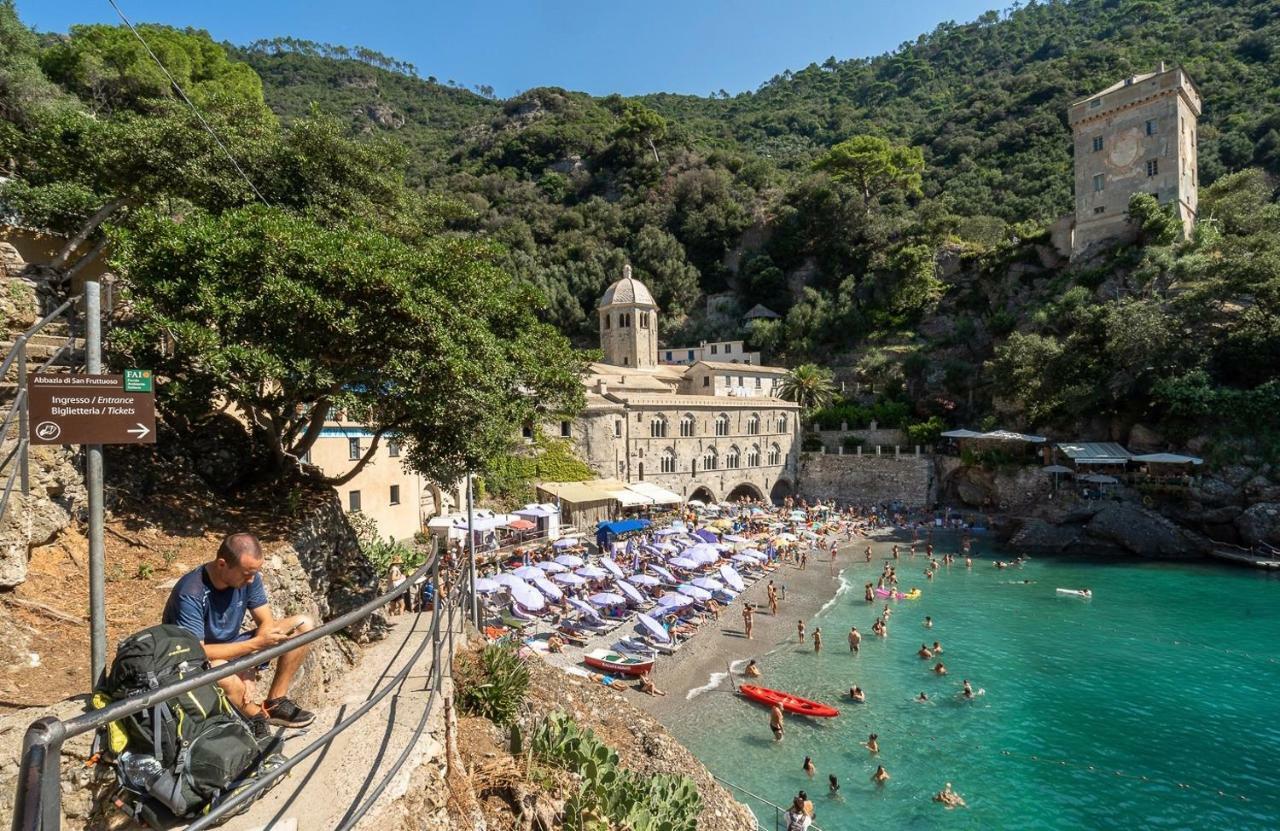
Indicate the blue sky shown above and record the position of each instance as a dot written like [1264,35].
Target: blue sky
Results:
[695,46]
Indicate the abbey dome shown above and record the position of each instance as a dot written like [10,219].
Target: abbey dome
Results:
[628,291]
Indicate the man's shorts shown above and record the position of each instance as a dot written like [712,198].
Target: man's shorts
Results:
[248,635]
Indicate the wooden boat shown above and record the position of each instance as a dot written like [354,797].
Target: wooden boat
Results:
[790,703]
[618,663]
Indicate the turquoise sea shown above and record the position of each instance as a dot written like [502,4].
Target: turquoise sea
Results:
[1156,704]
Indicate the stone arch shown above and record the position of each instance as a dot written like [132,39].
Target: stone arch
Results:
[781,490]
[745,490]
[702,493]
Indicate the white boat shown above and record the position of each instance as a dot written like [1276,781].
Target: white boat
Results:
[1085,593]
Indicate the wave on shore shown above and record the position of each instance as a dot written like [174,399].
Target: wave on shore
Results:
[845,585]
[716,679]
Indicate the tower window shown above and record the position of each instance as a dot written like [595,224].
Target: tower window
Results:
[1151,127]
[1099,210]
[1153,167]
[644,320]
[607,319]
[706,380]
[354,450]
[1097,144]
[353,501]
[1099,182]
[617,429]
[566,429]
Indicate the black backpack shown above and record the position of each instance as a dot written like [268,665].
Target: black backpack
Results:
[185,755]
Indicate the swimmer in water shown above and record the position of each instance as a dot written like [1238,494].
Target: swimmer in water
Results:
[880,776]
[939,669]
[968,690]
[808,767]
[833,783]
[937,648]
[856,693]
[924,652]
[949,798]
[922,697]
[872,744]
[928,622]
[775,722]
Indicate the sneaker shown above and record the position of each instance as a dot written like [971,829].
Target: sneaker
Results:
[260,727]
[283,712]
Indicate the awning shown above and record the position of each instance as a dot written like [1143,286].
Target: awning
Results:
[620,526]
[1168,459]
[1095,452]
[1056,469]
[521,525]
[960,434]
[659,495]
[629,498]
[538,510]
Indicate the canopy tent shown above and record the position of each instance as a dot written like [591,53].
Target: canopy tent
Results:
[1168,459]
[1095,453]
[1056,469]
[605,530]
[657,495]
[535,510]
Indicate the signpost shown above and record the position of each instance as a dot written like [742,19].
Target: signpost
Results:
[93,409]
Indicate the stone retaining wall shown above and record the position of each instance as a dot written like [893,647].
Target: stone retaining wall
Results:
[868,479]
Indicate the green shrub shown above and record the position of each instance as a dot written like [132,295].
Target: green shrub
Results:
[925,432]
[492,684]
[852,442]
[811,443]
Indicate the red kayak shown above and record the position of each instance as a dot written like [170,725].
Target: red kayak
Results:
[790,703]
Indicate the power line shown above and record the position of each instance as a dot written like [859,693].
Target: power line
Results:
[193,107]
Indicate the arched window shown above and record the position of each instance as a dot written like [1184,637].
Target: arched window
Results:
[753,456]
[733,458]
[688,425]
[640,469]
[722,424]
[668,461]
[782,423]
[775,454]
[658,427]
[710,459]
[753,424]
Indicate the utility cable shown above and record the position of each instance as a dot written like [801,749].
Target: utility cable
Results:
[181,94]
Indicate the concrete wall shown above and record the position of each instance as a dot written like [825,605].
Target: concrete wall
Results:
[868,479]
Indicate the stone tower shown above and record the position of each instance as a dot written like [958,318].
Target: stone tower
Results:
[629,323]
[1136,136]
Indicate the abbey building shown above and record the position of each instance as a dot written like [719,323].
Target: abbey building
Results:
[710,430]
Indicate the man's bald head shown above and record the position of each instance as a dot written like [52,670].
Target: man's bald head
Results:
[237,546]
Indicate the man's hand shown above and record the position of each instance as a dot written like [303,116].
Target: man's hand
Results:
[271,635]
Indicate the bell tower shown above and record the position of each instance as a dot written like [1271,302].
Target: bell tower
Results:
[629,323]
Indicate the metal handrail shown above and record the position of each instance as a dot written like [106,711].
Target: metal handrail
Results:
[38,806]
[778,810]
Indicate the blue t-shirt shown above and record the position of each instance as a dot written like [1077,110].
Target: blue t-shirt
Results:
[213,615]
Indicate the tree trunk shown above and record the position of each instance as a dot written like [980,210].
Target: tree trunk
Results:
[64,254]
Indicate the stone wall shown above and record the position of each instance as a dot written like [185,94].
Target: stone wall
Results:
[868,479]
[833,440]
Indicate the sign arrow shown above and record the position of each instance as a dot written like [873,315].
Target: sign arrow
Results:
[140,431]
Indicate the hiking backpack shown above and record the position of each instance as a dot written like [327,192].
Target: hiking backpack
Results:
[181,757]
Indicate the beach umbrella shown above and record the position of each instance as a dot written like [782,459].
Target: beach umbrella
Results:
[788,537]
[486,586]
[591,572]
[697,503]
[683,562]
[743,558]
[1056,469]
[667,532]
[710,584]
[568,578]
[662,572]
[703,557]
[607,599]
[565,542]
[508,580]
[521,525]
[1099,479]
[529,573]
[585,608]
[706,536]
[674,601]
[527,596]
[643,580]
[612,567]
[652,628]
[633,594]
[548,588]
[570,560]
[732,578]
[735,538]
[809,535]
[694,592]
[551,567]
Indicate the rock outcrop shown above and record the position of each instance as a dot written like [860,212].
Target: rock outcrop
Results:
[1260,524]
[1144,532]
[56,498]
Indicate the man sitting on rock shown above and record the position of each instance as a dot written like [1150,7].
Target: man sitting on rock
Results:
[210,602]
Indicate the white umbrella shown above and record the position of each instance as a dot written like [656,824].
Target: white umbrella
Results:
[633,594]
[503,578]
[652,628]
[591,572]
[486,586]
[694,592]
[612,567]
[743,558]
[697,503]
[643,580]
[529,573]
[788,537]
[551,567]
[674,601]
[683,562]
[710,584]
[735,538]
[585,608]
[732,578]
[570,560]
[568,578]
[702,556]
[548,588]
[565,542]
[666,532]
[607,599]
[662,572]
[527,596]
[809,535]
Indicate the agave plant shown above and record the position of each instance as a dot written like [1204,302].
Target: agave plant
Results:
[492,684]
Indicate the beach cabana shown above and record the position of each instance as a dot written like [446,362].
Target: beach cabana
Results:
[605,531]
[544,515]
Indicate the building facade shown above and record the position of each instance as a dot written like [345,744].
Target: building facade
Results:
[724,351]
[1136,136]
[711,430]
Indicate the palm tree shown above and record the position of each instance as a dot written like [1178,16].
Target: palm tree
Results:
[810,386]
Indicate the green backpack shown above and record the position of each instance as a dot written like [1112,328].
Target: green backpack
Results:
[188,753]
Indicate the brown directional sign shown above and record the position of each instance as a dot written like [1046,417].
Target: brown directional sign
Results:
[91,409]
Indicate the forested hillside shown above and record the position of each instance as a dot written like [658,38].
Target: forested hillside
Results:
[892,209]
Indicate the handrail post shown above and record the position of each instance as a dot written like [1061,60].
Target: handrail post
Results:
[39,798]
[24,424]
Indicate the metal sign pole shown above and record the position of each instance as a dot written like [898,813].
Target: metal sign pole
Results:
[93,483]
[471,557]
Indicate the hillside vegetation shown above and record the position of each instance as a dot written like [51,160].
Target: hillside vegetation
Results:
[892,209]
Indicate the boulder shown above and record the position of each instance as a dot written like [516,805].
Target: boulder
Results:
[1142,439]
[78,775]
[28,521]
[1145,533]
[1045,536]
[1214,492]
[19,297]
[1260,523]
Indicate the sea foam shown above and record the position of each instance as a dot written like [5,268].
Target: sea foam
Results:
[845,585]
[715,680]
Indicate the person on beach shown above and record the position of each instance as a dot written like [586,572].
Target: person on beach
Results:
[928,622]
[748,620]
[855,639]
[867,554]
[797,819]
[939,669]
[752,670]
[857,694]
[800,630]
[604,680]
[647,686]
[817,639]
[773,598]
[804,559]
[880,776]
[924,652]
[872,744]
[949,798]
[808,767]
[775,721]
